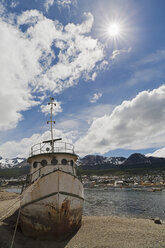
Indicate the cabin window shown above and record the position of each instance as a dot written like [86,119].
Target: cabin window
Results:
[35,165]
[54,161]
[64,161]
[71,163]
[44,162]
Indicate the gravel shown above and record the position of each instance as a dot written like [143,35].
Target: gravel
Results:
[95,232]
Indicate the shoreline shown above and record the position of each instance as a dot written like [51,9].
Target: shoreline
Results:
[95,232]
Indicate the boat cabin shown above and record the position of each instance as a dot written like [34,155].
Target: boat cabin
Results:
[45,158]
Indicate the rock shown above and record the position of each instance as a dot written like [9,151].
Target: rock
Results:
[157,221]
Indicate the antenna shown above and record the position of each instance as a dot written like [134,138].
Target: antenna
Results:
[51,103]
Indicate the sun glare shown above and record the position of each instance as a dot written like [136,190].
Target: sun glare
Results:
[114,29]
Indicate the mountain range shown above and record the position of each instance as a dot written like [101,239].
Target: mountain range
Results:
[95,162]
[10,163]
[136,160]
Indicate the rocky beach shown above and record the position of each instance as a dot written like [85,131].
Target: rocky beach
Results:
[95,232]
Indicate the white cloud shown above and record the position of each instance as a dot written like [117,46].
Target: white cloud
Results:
[56,109]
[14,4]
[117,52]
[12,149]
[17,68]
[66,3]
[135,124]
[2,9]
[95,111]
[69,130]
[30,17]
[95,97]
[78,57]
[145,75]
[83,28]
[80,122]
[28,63]
[158,153]
[153,58]
[69,124]
[48,4]
[145,71]
[149,69]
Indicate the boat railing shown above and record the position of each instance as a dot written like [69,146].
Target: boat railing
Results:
[47,148]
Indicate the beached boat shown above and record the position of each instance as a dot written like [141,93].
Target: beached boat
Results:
[52,203]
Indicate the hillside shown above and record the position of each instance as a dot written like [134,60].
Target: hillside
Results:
[91,163]
[136,160]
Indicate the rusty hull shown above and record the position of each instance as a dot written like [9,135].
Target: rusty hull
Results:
[52,207]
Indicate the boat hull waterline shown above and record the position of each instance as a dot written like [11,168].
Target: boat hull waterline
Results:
[52,213]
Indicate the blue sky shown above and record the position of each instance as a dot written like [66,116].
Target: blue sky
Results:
[109,88]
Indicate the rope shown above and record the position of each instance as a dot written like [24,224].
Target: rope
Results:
[9,209]
[19,215]
[12,242]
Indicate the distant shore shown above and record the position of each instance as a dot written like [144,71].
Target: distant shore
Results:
[95,232]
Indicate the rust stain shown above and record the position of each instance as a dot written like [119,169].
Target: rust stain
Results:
[54,225]
[65,208]
[49,219]
[53,211]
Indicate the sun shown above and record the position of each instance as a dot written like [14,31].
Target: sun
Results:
[114,29]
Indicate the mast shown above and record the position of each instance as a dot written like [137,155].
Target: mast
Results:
[51,103]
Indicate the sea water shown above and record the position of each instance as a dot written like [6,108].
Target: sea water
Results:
[13,189]
[121,202]
[125,202]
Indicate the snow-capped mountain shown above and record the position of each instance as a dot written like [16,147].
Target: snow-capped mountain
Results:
[10,163]
[135,160]
[96,162]
[100,162]
[115,160]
